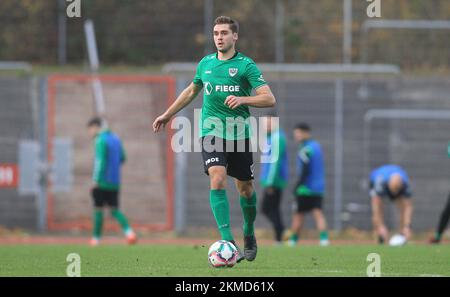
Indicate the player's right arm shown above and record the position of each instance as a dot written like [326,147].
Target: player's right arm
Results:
[406,217]
[182,101]
[278,148]
[100,160]
[304,157]
[123,154]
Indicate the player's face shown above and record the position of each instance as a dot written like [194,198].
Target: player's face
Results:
[300,135]
[395,184]
[224,38]
[92,131]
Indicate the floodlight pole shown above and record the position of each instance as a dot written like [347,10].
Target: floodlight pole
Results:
[338,151]
[279,32]
[208,15]
[347,36]
[62,32]
[43,142]
[99,101]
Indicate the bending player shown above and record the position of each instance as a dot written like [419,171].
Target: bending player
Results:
[390,182]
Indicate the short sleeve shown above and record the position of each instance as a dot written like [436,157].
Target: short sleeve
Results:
[198,79]
[379,185]
[123,154]
[254,76]
[305,154]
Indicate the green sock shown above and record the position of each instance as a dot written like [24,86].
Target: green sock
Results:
[294,237]
[98,223]
[221,211]
[437,236]
[323,235]
[248,206]
[120,217]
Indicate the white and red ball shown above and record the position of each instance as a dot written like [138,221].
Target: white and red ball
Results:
[222,253]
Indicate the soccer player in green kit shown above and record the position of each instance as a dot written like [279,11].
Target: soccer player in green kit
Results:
[228,78]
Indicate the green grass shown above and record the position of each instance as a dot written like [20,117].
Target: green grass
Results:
[189,260]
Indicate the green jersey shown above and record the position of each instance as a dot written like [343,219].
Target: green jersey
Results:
[236,76]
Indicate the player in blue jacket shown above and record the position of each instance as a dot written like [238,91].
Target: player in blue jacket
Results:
[310,187]
[390,182]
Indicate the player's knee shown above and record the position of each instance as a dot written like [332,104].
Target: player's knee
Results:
[246,190]
[317,212]
[218,181]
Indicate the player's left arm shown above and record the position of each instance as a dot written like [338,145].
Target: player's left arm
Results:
[407,215]
[100,160]
[263,98]
[304,158]
[123,154]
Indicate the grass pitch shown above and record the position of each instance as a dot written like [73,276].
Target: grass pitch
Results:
[190,260]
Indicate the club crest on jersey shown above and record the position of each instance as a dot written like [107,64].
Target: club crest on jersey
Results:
[232,71]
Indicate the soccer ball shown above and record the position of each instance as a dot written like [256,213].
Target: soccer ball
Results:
[222,253]
[397,240]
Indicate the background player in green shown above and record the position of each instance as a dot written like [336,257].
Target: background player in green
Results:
[274,175]
[109,156]
[391,182]
[227,78]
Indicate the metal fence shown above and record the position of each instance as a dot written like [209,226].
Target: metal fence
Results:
[343,112]
[131,104]
[18,104]
[362,121]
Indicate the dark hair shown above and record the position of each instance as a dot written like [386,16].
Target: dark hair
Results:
[95,121]
[303,127]
[234,25]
